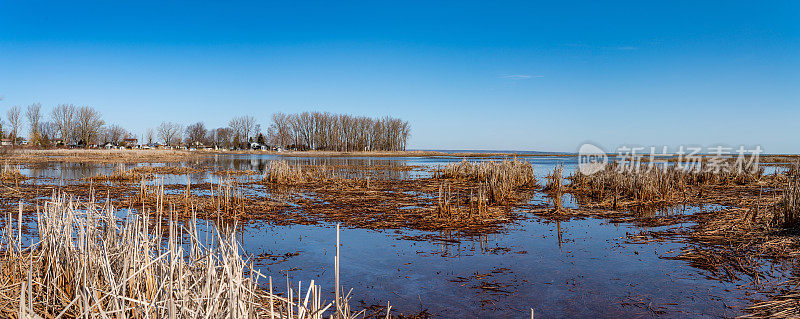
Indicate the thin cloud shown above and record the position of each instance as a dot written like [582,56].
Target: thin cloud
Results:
[520,76]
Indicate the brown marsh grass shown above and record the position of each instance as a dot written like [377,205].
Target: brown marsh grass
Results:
[11,173]
[652,184]
[500,177]
[87,262]
[788,207]
[282,173]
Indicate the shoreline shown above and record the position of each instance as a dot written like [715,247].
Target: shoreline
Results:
[160,153]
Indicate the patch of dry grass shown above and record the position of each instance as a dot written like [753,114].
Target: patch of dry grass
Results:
[282,173]
[11,173]
[86,262]
[500,177]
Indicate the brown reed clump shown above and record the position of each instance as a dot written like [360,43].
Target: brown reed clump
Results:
[555,186]
[87,262]
[639,185]
[11,173]
[501,177]
[122,175]
[788,207]
[555,180]
[166,170]
[281,173]
[653,184]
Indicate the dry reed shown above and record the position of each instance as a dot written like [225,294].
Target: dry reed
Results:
[500,177]
[12,173]
[280,172]
[653,184]
[88,262]
[788,207]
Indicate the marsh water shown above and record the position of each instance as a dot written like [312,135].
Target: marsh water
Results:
[585,267]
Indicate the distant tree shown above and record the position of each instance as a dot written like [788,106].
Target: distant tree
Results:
[33,113]
[88,125]
[170,133]
[196,134]
[242,127]
[221,137]
[279,132]
[115,134]
[150,136]
[46,133]
[14,121]
[326,131]
[261,139]
[64,119]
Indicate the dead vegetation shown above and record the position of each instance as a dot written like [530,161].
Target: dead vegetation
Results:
[789,205]
[281,173]
[12,173]
[619,186]
[136,267]
[500,178]
[26,156]
[121,175]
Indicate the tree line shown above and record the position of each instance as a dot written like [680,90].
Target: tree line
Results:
[67,124]
[338,132]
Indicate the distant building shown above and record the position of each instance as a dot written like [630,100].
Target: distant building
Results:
[5,142]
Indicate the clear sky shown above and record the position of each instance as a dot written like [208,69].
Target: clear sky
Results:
[523,75]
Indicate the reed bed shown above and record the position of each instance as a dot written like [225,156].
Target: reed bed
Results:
[280,172]
[88,262]
[788,207]
[650,185]
[122,175]
[500,177]
[555,186]
[166,170]
[11,173]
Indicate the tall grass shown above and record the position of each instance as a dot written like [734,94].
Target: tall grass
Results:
[87,262]
[555,185]
[653,184]
[121,175]
[789,204]
[501,177]
[11,173]
[280,172]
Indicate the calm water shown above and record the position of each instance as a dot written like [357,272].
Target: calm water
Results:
[581,267]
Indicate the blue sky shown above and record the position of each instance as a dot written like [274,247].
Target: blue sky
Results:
[467,75]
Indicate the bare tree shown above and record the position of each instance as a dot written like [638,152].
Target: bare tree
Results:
[222,137]
[46,132]
[196,134]
[326,131]
[88,125]
[33,113]
[115,133]
[13,120]
[279,132]
[242,127]
[248,126]
[64,119]
[170,133]
[150,136]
